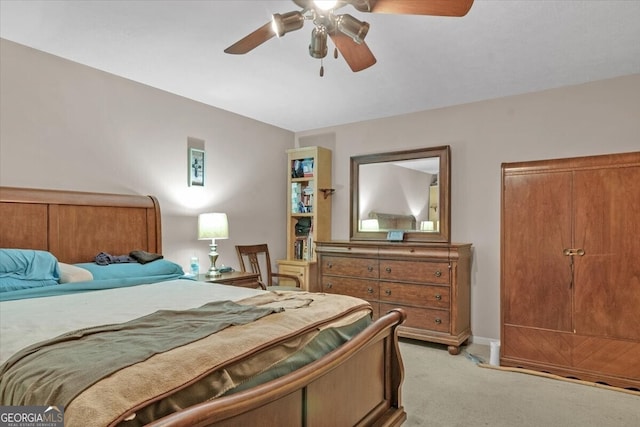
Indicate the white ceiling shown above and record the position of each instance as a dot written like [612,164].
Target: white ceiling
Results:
[500,48]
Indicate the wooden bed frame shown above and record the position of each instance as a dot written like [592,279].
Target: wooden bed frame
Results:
[359,384]
[76,226]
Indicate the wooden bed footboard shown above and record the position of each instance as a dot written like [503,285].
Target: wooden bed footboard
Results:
[358,384]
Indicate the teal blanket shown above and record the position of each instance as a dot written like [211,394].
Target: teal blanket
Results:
[26,268]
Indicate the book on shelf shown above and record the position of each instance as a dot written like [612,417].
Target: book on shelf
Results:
[307,167]
[302,168]
[309,248]
[303,248]
[299,248]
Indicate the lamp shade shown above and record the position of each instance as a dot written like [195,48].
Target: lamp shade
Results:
[427,226]
[287,22]
[318,45]
[353,28]
[369,225]
[213,226]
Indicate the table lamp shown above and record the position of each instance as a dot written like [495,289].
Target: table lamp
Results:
[213,226]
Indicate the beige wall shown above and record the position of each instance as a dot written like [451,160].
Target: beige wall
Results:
[68,126]
[597,118]
[63,125]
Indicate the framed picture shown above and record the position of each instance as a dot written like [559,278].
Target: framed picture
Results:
[395,236]
[196,167]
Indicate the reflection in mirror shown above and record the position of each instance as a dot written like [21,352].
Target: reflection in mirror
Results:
[405,190]
[399,195]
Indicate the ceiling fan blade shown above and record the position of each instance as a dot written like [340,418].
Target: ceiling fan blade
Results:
[252,41]
[415,7]
[358,56]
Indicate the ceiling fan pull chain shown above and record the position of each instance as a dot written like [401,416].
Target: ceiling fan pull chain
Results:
[321,68]
[335,52]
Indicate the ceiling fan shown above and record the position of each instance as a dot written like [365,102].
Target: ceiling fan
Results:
[346,32]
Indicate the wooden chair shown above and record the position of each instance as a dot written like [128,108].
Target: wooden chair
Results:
[257,257]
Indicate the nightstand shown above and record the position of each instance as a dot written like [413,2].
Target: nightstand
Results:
[233,278]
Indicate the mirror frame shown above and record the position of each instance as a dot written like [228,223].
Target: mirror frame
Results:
[444,181]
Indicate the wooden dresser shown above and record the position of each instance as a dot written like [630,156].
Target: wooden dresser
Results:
[430,281]
[570,279]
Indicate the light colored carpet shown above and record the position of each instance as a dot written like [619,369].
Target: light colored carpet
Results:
[441,390]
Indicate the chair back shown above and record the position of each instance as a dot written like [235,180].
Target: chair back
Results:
[255,257]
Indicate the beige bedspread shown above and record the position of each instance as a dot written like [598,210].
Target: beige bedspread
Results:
[55,371]
[120,395]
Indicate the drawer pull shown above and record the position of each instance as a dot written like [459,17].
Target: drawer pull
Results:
[329,285]
[388,269]
[329,265]
[370,290]
[438,321]
[369,268]
[438,297]
[438,273]
[387,291]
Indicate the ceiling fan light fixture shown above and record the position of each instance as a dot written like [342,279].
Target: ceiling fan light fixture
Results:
[325,4]
[352,27]
[286,22]
[318,45]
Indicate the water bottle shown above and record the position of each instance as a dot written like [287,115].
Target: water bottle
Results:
[195,266]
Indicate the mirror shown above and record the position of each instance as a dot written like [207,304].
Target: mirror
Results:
[404,191]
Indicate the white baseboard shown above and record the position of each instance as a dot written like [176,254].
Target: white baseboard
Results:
[482,340]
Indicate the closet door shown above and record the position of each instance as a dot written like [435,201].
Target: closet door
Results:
[536,228]
[607,276]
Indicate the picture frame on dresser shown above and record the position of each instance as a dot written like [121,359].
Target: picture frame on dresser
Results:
[395,236]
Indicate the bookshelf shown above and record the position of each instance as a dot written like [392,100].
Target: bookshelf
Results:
[308,211]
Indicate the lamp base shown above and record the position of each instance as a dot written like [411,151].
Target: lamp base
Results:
[213,272]
[213,257]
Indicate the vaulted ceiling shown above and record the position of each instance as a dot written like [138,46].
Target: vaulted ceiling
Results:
[500,48]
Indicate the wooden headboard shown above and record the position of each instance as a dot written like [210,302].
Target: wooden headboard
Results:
[76,226]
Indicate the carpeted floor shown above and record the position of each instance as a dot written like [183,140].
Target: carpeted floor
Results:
[441,390]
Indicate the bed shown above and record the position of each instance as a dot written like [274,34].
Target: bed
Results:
[356,383]
[388,221]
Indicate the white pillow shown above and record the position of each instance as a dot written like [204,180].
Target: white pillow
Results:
[70,273]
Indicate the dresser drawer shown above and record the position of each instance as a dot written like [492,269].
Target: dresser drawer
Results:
[346,266]
[346,248]
[414,271]
[422,318]
[360,288]
[417,295]
[423,252]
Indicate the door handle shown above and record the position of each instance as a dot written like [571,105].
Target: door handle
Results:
[573,252]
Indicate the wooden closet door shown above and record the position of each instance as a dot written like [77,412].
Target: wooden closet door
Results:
[536,227]
[607,277]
